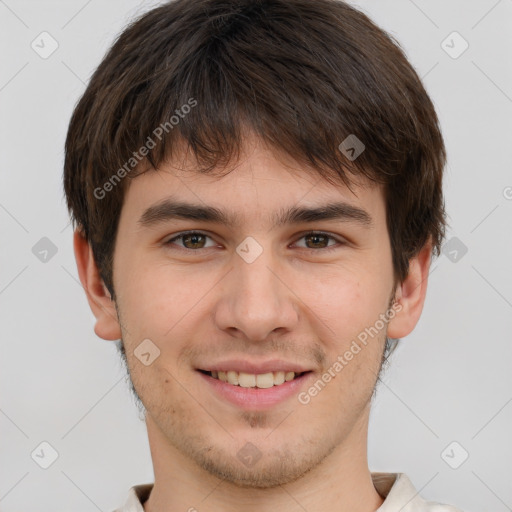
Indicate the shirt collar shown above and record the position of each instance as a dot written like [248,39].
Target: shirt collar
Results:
[397,490]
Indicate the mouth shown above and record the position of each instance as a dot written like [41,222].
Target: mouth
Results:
[255,385]
[250,380]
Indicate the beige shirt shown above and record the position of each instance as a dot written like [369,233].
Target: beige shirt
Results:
[397,490]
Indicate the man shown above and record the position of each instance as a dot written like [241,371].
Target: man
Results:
[257,192]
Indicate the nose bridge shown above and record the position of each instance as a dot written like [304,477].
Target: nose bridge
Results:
[258,287]
[254,300]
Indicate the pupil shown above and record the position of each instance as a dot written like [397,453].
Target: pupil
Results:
[316,237]
[193,238]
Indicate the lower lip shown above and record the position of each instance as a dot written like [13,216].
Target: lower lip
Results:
[256,398]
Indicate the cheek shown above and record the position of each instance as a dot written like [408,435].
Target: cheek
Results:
[156,297]
[345,301]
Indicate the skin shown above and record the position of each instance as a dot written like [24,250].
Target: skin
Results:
[296,302]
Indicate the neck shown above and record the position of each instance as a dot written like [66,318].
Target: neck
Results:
[341,482]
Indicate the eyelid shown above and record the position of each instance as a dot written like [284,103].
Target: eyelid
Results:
[182,234]
[338,239]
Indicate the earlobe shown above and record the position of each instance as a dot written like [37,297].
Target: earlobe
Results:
[410,294]
[101,304]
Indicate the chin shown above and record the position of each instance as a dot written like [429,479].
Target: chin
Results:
[262,470]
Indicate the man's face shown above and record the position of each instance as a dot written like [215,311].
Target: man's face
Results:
[254,297]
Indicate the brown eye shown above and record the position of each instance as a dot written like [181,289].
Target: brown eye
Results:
[320,240]
[189,241]
[195,240]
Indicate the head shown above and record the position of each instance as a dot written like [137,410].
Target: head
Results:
[265,119]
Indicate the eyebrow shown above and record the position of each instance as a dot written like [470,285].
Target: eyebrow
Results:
[167,210]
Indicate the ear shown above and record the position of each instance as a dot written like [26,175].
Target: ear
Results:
[410,294]
[101,304]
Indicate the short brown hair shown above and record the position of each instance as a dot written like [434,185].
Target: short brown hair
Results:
[303,75]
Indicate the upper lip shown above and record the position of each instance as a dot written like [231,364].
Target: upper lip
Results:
[257,368]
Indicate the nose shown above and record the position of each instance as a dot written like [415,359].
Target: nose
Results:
[255,299]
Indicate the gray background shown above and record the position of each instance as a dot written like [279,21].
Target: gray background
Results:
[450,381]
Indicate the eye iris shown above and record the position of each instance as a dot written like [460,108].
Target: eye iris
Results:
[316,237]
[193,237]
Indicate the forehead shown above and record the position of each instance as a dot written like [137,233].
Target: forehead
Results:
[263,183]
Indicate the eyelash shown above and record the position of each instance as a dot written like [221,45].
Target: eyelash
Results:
[310,233]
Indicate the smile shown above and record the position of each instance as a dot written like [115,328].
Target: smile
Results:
[250,380]
[255,391]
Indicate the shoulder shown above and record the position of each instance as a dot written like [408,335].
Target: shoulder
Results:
[431,506]
[401,495]
[137,495]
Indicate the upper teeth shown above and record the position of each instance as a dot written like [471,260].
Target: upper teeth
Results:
[249,380]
